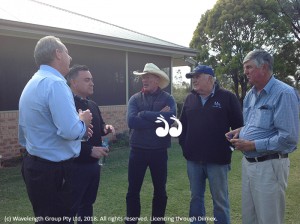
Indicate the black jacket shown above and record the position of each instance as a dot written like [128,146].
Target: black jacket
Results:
[98,130]
[204,127]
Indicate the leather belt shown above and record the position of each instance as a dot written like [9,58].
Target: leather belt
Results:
[267,157]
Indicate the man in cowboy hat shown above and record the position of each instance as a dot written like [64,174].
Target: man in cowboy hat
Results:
[148,149]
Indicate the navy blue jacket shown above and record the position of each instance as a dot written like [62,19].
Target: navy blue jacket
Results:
[204,127]
[143,110]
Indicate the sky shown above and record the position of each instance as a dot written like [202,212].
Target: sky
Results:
[173,21]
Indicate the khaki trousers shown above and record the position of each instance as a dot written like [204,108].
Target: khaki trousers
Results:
[263,191]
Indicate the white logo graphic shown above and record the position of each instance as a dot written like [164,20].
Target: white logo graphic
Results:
[173,131]
[217,104]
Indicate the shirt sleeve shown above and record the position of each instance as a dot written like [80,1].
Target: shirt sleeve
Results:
[64,114]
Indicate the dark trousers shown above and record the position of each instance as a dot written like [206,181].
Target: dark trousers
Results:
[48,186]
[139,161]
[86,179]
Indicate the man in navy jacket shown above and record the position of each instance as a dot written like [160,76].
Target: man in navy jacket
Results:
[208,113]
[147,148]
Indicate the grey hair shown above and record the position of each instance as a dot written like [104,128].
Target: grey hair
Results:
[213,78]
[260,57]
[45,49]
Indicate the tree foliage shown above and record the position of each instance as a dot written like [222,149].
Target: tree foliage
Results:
[291,10]
[287,60]
[180,90]
[287,63]
[226,33]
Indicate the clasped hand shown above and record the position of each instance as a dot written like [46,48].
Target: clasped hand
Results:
[239,144]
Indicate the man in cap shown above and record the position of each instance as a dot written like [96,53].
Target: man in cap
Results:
[208,113]
[148,149]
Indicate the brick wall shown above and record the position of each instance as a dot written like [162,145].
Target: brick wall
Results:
[9,147]
[116,116]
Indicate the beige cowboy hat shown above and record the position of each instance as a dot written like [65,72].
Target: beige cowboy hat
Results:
[151,68]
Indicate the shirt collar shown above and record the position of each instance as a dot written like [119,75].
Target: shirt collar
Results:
[211,94]
[267,87]
[80,99]
[212,91]
[52,70]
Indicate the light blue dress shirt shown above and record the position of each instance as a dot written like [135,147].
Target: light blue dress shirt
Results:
[49,126]
[271,119]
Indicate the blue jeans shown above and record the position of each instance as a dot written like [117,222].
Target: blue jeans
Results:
[216,174]
[139,161]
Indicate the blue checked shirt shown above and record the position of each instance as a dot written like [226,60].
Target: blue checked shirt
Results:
[49,126]
[271,119]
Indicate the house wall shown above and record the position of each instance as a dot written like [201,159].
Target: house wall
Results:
[111,70]
[10,148]
[108,67]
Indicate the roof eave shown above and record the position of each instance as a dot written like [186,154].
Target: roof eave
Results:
[33,31]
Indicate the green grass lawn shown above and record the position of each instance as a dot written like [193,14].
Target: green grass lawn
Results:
[113,187]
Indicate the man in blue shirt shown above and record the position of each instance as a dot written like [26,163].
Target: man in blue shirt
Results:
[269,134]
[51,130]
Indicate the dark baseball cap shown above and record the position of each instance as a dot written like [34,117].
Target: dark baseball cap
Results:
[201,69]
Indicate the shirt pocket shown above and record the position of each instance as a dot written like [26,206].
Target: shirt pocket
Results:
[263,117]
